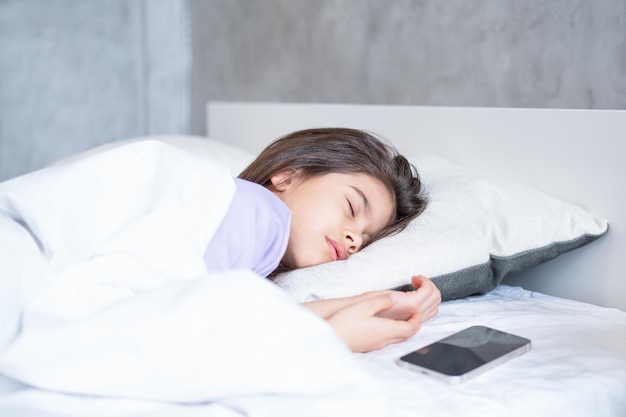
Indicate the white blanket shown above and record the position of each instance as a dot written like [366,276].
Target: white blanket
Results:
[105,302]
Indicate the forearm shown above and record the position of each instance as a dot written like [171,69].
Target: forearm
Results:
[326,308]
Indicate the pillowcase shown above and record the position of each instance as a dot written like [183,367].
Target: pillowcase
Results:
[474,231]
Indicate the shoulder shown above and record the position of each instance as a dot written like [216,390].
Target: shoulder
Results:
[254,233]
[254,198]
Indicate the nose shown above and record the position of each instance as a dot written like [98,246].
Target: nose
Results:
[353,241]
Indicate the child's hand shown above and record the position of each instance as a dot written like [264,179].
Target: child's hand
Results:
[426,295]
[379,318]
[425,300]
[362,329]
[375,319]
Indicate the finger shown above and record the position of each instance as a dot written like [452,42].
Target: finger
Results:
[427,297]
[422,283]
[424,297]
[419,280]
[403,329]
[430,313]
[430,306]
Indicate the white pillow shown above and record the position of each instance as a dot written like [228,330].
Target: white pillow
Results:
[475,231]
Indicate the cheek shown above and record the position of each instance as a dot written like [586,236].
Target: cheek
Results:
[300,254]
[314,215]
[307,243]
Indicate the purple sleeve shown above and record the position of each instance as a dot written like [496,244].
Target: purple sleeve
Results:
[253,234]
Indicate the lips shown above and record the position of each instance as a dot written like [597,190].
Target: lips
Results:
[336,250]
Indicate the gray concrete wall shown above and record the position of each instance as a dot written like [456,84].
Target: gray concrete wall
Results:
[75,74]
[78,73]
[505,53]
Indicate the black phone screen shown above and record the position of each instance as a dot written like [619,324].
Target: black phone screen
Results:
[466,350]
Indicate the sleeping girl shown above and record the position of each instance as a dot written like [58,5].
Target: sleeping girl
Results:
[115,224]
[320,195]
[105,293]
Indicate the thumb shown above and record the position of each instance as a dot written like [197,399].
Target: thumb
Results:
[418,280]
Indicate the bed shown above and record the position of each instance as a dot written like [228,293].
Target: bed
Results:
[524,233]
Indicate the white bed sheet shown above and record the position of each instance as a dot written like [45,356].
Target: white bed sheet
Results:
[576,366]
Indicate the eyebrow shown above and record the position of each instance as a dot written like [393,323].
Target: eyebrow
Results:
[366,203]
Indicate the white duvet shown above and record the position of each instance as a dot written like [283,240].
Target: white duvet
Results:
[106,308]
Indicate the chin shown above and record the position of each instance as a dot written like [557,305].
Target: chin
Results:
[325,261]
[309,263]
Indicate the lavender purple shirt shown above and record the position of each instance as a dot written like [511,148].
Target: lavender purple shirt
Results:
[253,234]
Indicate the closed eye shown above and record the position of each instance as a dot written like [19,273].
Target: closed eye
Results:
[351,208]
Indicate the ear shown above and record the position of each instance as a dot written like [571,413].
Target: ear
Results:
[282,180]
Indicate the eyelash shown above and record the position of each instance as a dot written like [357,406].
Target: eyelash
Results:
[351,209]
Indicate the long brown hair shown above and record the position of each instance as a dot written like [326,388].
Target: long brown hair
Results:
[314,152]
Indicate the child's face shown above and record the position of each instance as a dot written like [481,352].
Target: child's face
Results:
[331,215]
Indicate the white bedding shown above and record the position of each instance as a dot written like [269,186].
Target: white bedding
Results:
[100,325]
[576,367]
[117,304]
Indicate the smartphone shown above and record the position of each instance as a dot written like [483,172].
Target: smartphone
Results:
[465,354]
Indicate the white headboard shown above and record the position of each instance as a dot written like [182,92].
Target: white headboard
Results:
[575,155]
